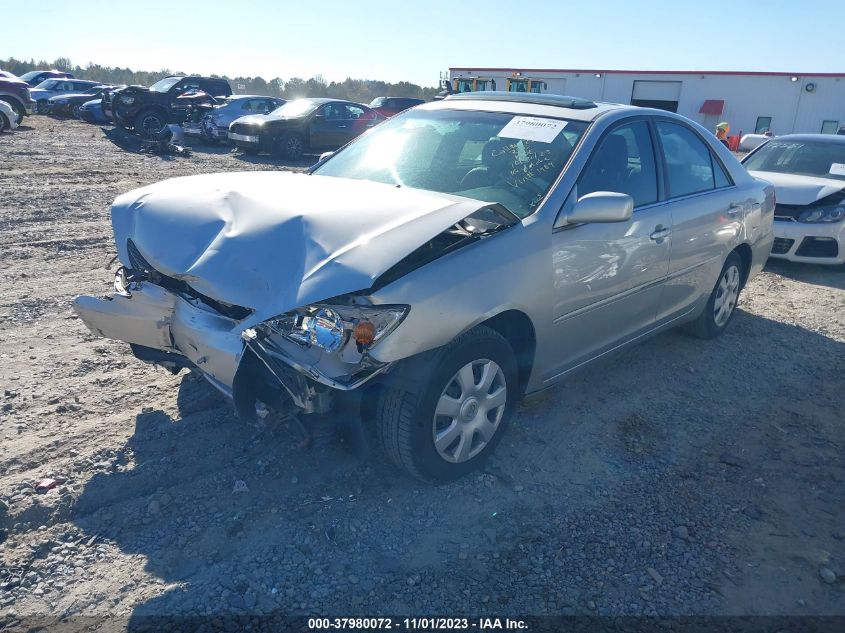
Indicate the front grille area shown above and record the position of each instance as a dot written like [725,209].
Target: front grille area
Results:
[818,247]
[782,245]
[244,128]
[788,212]
[180,287]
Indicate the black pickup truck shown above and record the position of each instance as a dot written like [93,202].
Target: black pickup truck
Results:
[148,110]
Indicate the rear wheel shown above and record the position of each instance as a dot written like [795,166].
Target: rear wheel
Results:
[41,106]
[722,302]
[449,421]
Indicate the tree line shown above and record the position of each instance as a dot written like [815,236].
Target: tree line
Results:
[359,90]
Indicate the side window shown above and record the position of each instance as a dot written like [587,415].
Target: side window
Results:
[719,174]
[623,163]
[689,165]
[353,112]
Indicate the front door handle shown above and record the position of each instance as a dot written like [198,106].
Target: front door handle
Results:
[660,233]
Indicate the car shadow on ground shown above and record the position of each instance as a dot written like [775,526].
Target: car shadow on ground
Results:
[585,492]
[832,276]
[122,138]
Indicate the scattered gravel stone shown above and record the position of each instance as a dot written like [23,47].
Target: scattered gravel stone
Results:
[828,575]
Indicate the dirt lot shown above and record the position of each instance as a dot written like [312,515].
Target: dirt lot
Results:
[683,477]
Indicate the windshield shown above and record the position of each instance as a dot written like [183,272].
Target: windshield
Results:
[32,74]
[807,158]
[377,102]
[163,85]
[296,108]
[487,156]
[49,84]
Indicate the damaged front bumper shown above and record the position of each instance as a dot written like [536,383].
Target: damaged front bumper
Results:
[247,364]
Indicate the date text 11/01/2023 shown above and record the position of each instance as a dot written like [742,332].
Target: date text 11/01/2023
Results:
[416,624]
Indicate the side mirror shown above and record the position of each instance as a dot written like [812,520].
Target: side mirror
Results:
[325,156]
[601,206]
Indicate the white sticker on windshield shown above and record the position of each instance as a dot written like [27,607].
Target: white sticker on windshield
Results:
[837,169]
[531,128]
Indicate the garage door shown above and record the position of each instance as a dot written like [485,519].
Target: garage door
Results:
[657,94]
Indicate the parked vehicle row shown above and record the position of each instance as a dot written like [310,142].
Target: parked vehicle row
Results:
[214,126]
[303,126]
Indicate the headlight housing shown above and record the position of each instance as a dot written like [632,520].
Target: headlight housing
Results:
[127,99]
[332,327]
[826,214]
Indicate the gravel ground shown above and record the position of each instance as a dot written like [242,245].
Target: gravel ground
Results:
[682,477]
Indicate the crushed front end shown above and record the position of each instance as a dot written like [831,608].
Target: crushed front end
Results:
[304,358]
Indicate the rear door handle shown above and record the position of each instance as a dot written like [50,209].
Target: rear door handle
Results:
[659,233]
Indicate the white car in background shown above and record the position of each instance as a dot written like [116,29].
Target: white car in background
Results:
[808,172]
[8,117]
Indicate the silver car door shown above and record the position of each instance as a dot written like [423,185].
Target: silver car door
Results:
[607,277]
[706,216]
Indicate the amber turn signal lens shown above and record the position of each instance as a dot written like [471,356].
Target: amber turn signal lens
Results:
[364,332]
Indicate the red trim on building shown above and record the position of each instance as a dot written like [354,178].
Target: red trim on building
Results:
[742,73]
[712,106]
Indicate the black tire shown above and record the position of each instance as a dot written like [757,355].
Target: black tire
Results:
[247,149]
[291,146]
[42,106]
[405,410]
[4,122]
[707,325]
[75,112]
[149,123]
[20,112]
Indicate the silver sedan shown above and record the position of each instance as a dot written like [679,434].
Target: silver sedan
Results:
[436,269]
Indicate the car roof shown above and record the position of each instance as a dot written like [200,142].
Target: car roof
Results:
[528,103]
[829,138]
[234,97]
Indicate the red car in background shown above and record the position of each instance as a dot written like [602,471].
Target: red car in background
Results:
[388,106]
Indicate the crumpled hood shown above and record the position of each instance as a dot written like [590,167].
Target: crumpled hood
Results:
[795,189]
[273,241]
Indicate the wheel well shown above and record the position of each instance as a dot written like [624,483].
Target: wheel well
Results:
[517,328]
[744,252]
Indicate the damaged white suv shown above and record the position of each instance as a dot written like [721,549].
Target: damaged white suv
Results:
[433,271]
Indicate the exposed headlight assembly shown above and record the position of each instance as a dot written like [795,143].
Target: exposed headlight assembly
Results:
[828,214]
[127,99]
[331,327]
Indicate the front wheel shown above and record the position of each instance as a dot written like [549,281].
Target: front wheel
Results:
[447,420]
[75,111]
[722,302]
[42,106]
[292,146]
[149,124]
[4,122]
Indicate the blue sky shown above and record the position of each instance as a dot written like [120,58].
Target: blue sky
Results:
[416,40]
